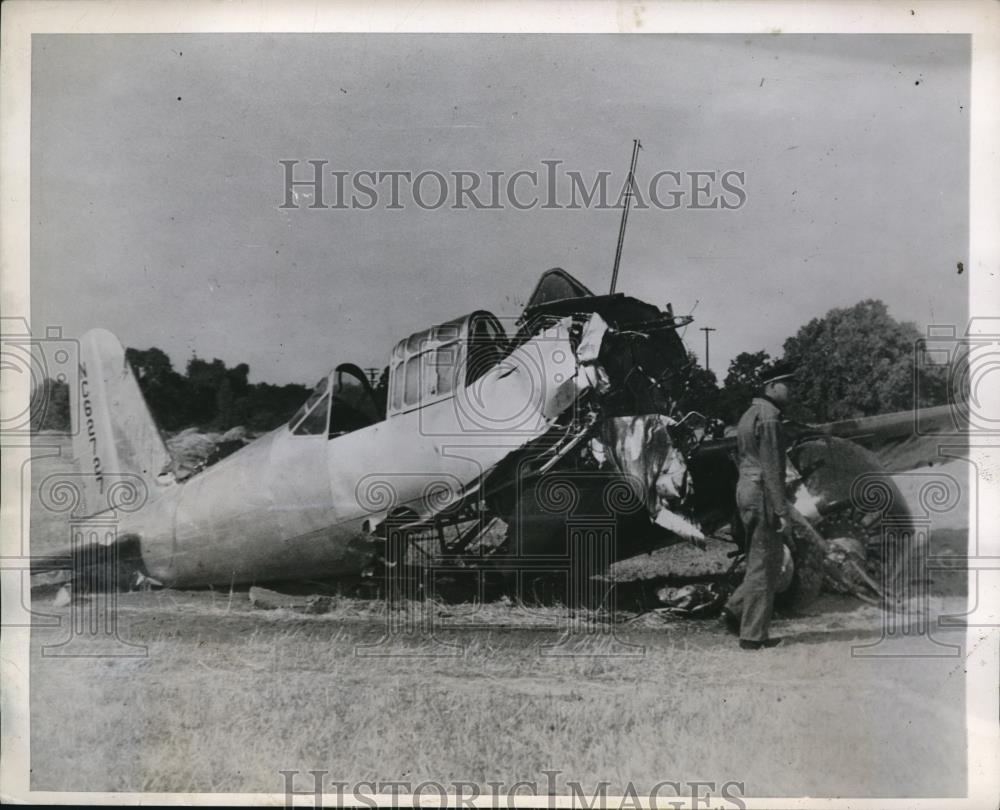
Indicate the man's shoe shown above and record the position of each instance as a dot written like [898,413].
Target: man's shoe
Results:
[747,644]
[730,621]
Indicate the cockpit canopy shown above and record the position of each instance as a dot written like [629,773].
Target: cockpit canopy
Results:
[341,402]
[430,365]
[424,368]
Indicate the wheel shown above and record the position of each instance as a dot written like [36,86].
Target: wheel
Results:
[833,471]
[805,556]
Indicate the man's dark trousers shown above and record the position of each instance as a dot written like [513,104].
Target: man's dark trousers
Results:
[753,600]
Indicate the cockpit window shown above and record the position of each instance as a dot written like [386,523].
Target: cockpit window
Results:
[353,403]
[426,376]
[412,388]
[314,424]
[487,347]
[431,365]
[309,406]
[447,368]
[397,389]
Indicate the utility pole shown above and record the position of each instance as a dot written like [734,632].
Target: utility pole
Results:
[706,330]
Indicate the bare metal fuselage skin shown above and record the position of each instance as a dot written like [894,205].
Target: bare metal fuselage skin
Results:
[268,508]
[293,506]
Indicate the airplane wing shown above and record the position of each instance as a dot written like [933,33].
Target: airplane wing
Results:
[901,441]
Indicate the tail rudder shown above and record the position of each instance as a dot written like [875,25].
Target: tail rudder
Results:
[116,436]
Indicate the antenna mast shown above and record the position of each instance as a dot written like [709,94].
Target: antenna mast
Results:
[626,205]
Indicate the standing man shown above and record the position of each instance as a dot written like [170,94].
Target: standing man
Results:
[763,508]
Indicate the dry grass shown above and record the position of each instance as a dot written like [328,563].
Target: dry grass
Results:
[226,698]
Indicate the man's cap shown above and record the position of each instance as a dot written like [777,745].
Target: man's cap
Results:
[779,371]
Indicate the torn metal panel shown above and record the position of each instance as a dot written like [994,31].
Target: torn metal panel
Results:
[641,449]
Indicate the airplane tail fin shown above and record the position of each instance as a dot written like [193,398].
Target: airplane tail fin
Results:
[117,445]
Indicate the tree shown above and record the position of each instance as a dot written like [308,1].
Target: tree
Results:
[209,391]
[741,383]
[210,396]
[165,391]
[268,406]
[50,406]
[856,361]
[701,393]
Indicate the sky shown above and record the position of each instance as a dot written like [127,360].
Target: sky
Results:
[156,184]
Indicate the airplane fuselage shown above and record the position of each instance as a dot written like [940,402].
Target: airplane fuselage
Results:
[293,506]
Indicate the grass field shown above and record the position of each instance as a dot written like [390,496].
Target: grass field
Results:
[226,696]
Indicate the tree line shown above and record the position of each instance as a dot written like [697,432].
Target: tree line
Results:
[208,395]
[853,362]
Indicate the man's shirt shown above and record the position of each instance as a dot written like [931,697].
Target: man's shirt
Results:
[760,441]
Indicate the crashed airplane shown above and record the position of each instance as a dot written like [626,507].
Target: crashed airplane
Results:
[574,419]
